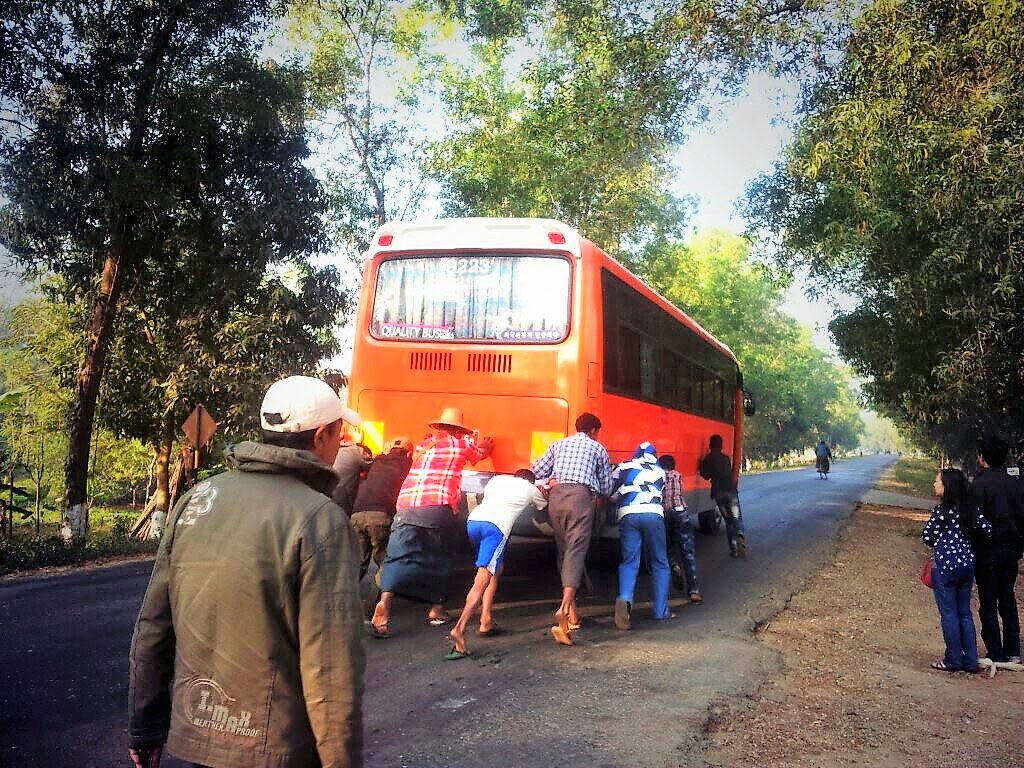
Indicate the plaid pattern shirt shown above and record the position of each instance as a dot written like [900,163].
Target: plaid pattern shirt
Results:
[673,492]
[436,475]
[577,459]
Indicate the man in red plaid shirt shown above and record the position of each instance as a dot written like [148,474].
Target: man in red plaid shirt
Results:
[419,561]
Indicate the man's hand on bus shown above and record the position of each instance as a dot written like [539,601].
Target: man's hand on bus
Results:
[486,445]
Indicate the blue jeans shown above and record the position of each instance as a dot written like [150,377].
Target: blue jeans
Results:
[681,547]
[644,530]
[729,505]
[953,598]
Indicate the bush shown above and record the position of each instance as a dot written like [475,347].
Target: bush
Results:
[27,553]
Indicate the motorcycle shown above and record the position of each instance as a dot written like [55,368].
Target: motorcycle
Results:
[823,467]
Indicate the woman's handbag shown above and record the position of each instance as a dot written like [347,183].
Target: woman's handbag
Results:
[926,573]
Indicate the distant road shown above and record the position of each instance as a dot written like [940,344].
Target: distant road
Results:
[617,699]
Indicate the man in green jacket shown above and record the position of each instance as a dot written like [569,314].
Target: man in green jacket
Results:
[248,650]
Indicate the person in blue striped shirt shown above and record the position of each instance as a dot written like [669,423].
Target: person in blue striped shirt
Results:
[641,516]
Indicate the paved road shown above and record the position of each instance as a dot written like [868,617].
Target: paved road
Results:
[617,699]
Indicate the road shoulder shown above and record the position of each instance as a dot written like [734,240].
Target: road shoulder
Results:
[853,683]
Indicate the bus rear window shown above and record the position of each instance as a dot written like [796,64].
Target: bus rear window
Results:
[503,299]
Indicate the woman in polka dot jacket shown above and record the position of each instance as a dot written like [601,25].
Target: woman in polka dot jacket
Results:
[947,532]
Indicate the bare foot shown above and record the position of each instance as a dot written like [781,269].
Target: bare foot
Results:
[380,621]
[458,639]
[563,622]
[562,637]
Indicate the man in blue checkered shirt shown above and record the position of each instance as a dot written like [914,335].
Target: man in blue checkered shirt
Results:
[580,471]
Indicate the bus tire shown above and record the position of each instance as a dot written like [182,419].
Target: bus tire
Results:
[604,553]
[708,521]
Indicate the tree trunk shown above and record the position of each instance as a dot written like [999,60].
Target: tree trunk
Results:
[162,498]
[39,483]
[83,407]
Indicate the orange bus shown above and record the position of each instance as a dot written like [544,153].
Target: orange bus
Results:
[524,324]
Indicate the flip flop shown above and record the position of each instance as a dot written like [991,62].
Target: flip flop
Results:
[941,666]
[561,636]
[494,631]
[379,633]
[439,622]
[575,626]
[455,654]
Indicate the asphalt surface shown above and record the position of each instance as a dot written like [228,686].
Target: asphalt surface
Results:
[620,699]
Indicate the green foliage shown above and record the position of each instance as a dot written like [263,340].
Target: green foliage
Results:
[38,356]
[801,393]
[585,130]
[27,553]
[157,167]
[904,186]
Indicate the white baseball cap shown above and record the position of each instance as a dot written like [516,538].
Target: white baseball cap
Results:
[301,403]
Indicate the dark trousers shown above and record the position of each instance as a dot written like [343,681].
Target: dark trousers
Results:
[681,555]
[996,577]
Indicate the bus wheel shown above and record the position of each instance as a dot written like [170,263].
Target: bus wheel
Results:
[709,521]
[604,553]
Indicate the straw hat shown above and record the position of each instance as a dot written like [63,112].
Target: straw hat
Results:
[451,418]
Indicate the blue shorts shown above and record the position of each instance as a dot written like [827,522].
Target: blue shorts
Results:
[489,542]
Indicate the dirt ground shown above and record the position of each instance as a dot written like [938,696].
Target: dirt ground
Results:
[853,684]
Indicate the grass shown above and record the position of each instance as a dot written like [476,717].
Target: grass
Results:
[911,475]
[108,537]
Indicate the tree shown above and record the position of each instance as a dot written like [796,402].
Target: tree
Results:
[585,130]
[801,393]
[367,60]
[146,142]
[221,355]
[903,186]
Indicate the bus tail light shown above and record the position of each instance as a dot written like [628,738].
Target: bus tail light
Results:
[556,238]
[385,240]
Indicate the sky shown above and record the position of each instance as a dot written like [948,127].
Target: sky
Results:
[743,139]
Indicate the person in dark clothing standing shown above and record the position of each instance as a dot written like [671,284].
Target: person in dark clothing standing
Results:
[717,467]
[998,496]
[374,506]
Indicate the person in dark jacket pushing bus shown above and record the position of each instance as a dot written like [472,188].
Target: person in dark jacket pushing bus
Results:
[717,467]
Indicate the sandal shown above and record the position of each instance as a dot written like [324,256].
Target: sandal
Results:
[941,666]
[379,633]
[439,621]
[574,626]
[491,631]
[455,654]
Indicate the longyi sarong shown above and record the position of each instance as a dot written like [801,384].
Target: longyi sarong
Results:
[418,564]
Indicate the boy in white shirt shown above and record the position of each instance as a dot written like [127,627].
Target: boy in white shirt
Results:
[489,526]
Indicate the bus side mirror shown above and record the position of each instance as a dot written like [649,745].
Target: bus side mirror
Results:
[749,405]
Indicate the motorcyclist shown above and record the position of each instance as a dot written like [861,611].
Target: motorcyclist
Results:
[823,455]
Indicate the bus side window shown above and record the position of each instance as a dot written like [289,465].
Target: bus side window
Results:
[629,360]
[666,373]
[648,368]
[682,370]
[696,382]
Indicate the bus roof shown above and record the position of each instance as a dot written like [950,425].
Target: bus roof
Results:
[460,234]
[469,233]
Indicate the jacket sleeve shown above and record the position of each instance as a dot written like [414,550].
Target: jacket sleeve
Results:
[705,467]
[331,654]
[151,660]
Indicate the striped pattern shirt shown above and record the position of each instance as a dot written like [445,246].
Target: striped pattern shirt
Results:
[577,459]
[436,474]
[641,484]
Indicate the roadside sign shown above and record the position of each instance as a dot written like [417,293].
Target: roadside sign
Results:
[199,426]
